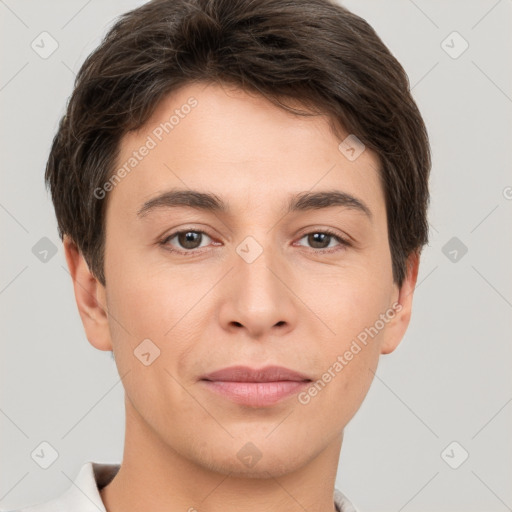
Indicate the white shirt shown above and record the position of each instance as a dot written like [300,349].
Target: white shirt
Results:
[84,494]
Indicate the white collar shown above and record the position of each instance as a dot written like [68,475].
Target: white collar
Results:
[83,495]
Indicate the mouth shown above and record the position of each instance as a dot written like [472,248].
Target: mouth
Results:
[255,387]
[247,374]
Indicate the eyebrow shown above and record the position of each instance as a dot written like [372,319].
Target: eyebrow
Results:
[210,202]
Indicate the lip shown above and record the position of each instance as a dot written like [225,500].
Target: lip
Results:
[248,374]
[255,387]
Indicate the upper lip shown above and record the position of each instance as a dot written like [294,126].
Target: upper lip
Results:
[247,374]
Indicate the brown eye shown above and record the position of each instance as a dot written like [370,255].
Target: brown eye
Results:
[186,240]
[324,240]
[319,240]
[189,239]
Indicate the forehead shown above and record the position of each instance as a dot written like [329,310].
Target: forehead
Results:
[240,147]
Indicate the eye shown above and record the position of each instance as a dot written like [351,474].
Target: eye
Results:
[188,240]
[322,240]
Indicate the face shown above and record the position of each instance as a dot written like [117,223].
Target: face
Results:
[279,266]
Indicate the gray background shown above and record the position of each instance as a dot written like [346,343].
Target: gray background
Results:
[449,380]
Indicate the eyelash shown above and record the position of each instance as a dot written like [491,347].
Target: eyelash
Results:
[342,241]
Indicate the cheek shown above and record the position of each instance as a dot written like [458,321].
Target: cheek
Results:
[341,388]
[350,306]
[150,317]
[149,299]
[170,307]
[347,301]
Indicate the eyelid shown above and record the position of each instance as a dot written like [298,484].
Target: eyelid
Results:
[198,229]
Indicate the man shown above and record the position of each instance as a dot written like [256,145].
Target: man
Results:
[242,189]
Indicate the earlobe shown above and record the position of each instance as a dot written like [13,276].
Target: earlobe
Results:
[90,298]
[397,327]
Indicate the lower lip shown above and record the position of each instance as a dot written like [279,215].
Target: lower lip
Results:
[256,394]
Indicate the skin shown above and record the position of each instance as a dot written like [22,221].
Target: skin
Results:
[293,306]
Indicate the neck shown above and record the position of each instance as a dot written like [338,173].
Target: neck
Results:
[155,476]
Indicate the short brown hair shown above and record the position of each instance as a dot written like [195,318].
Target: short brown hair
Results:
[313,51]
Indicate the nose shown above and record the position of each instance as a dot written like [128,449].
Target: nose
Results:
[258,295]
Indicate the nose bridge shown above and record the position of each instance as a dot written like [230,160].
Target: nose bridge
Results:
[258,299]
[257,264]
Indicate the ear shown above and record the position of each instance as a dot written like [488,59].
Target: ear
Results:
[90,297]
[396,327]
